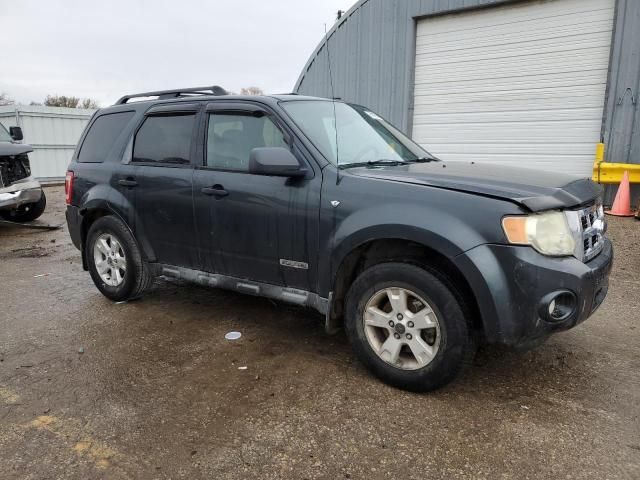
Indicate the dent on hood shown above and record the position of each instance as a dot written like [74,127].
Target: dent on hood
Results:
[578,193]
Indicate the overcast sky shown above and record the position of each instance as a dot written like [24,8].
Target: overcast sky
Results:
[103,49]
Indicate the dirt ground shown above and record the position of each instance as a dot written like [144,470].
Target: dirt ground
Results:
[151,389]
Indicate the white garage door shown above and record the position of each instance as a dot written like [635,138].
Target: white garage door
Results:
[522,84]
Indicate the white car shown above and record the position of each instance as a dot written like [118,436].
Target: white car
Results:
[21,196]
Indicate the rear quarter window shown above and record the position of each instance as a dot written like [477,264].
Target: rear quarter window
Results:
[102,135]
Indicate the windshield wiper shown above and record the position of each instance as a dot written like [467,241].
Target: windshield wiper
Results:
[391,163]
[375,163]
[424,160]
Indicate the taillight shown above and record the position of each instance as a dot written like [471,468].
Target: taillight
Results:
[68,186]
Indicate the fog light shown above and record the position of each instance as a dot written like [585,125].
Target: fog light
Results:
[558,306]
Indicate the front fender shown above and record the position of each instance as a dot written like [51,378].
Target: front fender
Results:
[357,209]
[433,228]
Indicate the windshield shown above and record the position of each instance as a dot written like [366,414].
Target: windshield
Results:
[362,137]
[4,135]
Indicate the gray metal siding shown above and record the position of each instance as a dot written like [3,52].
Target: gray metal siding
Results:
[373,53]
[52,132]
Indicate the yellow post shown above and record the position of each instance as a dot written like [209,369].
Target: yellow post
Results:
[600,152]
[599,160]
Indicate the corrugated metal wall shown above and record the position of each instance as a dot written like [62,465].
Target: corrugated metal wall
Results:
[52,132]
[621,130]
[372,52]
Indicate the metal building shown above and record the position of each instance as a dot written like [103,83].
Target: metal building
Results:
[53,132]
[531,82]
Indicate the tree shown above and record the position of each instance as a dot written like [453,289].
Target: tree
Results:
[251,91]
[90,103]
[61,101]
[70,102]
[5,99]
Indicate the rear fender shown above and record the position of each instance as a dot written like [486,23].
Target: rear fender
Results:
[108,199]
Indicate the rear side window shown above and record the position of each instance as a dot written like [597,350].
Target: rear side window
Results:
[165,139]
[102,135]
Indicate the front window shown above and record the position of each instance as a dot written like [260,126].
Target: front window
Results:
[4,135]
[362,136]
[232,136]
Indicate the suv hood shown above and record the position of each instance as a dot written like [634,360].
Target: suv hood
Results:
[532,189]
[8,149]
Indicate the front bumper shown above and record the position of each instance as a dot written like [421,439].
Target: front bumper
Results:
[19,194]
[509,283]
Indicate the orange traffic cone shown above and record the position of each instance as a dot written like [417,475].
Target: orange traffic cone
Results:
[622,203]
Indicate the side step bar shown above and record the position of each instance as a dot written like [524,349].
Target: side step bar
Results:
[276,292]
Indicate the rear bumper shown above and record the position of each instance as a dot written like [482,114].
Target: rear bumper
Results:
[74,223]
[20,193]
[511,282]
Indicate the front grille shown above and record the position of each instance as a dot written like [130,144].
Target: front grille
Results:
[14,168]
[593,229]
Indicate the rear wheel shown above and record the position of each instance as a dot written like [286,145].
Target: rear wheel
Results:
[115,262]
[407,326]
[27,212]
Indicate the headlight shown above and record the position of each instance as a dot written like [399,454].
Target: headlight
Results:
[548,233]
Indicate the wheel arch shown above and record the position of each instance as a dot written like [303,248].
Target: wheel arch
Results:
[402,250]
[91,213]
[103,199]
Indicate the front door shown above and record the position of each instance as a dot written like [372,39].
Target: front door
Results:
[254,227]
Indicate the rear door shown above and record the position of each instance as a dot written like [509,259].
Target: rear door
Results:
[163,150]
[255,227]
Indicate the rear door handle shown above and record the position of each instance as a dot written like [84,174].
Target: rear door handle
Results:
[128,182]
[215,191]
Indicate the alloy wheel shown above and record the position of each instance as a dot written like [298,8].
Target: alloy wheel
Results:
[110,260]
[402,328]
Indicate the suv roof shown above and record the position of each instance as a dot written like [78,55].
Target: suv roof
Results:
[200,94]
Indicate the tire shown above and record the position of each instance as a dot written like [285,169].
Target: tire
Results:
[127,280]
[27,212]
[436,363]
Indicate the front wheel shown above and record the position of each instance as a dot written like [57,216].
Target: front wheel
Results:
[408,327]
[115,262]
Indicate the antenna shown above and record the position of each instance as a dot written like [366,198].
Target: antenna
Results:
[333,99]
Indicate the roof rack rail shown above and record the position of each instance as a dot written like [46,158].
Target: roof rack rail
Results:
[176,93]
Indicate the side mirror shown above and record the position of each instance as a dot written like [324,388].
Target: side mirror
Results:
[16,133]
[275,162]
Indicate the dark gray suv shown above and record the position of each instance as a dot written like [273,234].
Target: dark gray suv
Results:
[325,204]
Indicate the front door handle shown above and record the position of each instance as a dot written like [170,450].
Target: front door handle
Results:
[128,182]
[215,191]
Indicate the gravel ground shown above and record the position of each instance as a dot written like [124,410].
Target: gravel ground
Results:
[151,389]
